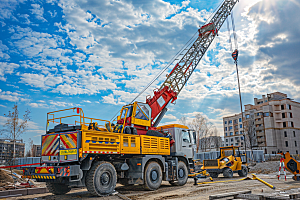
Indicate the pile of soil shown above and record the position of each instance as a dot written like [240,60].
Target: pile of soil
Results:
[5,178]
[265,167]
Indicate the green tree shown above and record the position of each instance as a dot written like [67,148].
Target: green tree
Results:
[14,126]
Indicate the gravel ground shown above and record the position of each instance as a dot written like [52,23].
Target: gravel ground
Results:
[266,171]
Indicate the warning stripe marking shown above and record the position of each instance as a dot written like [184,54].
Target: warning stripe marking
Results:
[101,152]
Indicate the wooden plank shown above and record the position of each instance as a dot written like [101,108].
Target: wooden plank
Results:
[250,196]
[229,194]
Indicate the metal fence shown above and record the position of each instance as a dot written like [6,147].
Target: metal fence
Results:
[27,160]
[257,156]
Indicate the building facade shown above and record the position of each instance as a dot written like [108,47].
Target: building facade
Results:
[7,149]
[36,150]
[233,130]
[272,124]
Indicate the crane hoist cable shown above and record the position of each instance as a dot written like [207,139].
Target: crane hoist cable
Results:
[187,44]
[176,56]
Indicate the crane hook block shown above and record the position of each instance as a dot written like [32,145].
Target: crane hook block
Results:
[235,54]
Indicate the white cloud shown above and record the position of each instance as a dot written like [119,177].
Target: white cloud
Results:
[38,11]
[6,68]
[9,96]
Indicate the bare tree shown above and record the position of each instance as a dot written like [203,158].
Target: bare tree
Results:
[208,132]
[183,121]
[198,124]
[14,126]
[250,134]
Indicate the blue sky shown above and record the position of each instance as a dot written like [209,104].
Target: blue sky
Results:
[98,55]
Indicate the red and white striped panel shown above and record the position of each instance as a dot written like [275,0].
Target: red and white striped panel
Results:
[101,152]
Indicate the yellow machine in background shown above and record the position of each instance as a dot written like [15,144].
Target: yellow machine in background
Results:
[292,165]
[228,163]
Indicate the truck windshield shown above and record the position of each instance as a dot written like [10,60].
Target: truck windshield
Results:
[186,136]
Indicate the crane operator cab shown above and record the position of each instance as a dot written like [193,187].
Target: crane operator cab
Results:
[133,119]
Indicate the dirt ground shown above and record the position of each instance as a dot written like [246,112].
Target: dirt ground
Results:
[188,191]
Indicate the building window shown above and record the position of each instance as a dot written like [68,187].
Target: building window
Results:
[230,121]
[235,127]
[241,132]
[241,126]
[266,114]
[297,152]
[231,133]
[285,134]
[242,138]
[286,143]
[289,106]
[236,132]
[225,122]
[225,128]
[230,127]
[282,107]
[226,140]
[240,119]
[231,139]
[294,133]
[235,121]
[242,143]
[295,143]
[283,115]
[225,134]
[292,124]
[257,114]
[247,116]
[291,115]
[284,124]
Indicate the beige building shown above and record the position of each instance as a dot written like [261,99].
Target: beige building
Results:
[233,130]
[7,149]
[273,123]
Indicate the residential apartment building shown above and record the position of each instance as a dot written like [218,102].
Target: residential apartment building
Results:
[7,149]
[36,150]
[273,124]
[233,130]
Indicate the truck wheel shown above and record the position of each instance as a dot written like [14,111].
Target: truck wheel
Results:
[58,188]
[182,175]
[228,173]
[152,176]
[243,172]
[213,174]
[101,179]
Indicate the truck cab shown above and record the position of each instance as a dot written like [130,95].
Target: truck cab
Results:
[185,142]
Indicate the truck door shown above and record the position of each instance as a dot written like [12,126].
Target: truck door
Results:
[187,146]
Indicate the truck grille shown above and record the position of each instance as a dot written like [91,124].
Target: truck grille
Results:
[208,163]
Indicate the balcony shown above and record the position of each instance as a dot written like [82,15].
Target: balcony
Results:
[259,128]
[260,139]
[260,134]
[259,122]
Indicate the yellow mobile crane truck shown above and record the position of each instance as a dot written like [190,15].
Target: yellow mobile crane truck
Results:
[96,154]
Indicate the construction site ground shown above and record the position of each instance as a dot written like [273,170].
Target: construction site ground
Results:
[188,191]
[267,171]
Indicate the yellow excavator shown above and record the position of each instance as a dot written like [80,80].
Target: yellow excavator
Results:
[228,163]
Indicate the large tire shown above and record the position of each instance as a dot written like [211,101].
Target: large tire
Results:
[182,175]
[154,133]
[101,179]
[58,188]
[228,173]
[213,174]
[243,172]
[152,176]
